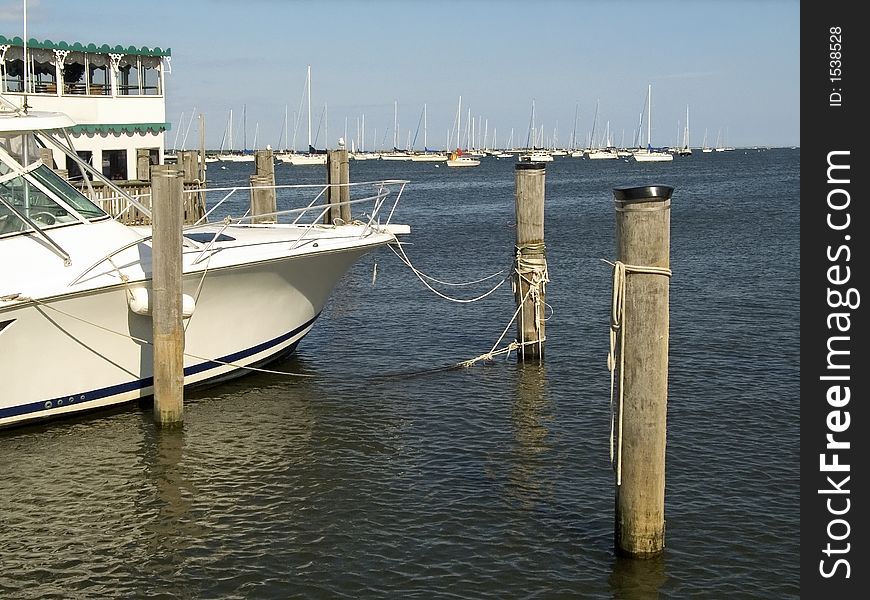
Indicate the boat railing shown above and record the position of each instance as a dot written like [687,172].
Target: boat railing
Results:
[305,218]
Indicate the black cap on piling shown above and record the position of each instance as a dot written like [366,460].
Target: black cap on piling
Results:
[522,166]
[642,193]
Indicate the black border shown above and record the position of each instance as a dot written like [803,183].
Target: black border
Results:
[826,128]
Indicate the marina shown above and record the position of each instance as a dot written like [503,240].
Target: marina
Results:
[388,459]
[336,366]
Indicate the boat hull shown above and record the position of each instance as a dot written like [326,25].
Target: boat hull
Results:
[88,350]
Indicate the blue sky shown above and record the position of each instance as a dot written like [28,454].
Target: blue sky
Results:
[734,63]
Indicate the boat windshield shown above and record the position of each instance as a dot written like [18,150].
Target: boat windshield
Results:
[43,197]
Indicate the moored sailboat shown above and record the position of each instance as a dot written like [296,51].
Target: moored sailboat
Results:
[649,154]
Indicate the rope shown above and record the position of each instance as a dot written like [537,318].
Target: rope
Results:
[145,342]
[617,335]
[422,277]
[531,267]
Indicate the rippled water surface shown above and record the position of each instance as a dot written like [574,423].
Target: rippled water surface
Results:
[374,478]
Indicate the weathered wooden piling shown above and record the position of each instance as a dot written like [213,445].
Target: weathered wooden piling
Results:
[344,180]
[263,196]
[530,264]
[47,157]
[264,163]
[640,360]
[143,164]
[188,163]
[166,290]
[333,180]
[262,199]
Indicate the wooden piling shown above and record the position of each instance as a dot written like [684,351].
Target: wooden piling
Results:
[166,290]
[143,164]
[188,162]
[264,163]
[333,179]
[344,180]
[47,157]
[262,199]
[641,364]
[263,196]
[530,265]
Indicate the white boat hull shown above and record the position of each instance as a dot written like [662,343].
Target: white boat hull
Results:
[653,156]
[303,159]
[88,349]
[463,162]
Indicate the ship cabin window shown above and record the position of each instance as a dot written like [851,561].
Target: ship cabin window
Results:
[150,75]
[86,74]
[75,173]
[98,75]
[128,76]
[41,72]
[74,74]
[13,75]
[42,76]
[115,164]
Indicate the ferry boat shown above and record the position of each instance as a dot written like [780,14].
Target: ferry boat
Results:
[114,94]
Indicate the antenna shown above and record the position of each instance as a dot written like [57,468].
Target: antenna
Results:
[26,66]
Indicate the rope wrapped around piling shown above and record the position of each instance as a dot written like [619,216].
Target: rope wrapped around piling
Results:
[531,267]
[617,318]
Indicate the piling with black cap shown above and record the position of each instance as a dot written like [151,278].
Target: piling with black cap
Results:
[639,363]
[166,289]
[530,264]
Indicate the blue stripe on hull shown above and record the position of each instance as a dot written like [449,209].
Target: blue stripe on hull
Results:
[84,398]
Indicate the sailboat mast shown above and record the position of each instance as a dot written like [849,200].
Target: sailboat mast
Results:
[425,144]
[459,123]
[686,140]
[308,91]
[395,124]
[649,116]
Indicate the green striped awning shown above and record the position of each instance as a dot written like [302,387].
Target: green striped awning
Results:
[93,48]
[120,127]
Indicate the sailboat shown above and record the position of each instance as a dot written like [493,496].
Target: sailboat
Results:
[457,158]
[246,155]
[312,157]
[427,156]
[648,154]
[685,150]
[704,147]
[395,154]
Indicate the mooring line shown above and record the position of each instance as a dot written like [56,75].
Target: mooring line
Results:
[617,317]
[149,343]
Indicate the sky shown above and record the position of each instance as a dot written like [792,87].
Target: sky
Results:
[733,64]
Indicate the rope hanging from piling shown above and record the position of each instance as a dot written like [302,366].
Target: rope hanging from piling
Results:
[530,266]
[617,337]
[423,277]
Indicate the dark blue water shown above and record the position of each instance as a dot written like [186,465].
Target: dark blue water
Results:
[371,479]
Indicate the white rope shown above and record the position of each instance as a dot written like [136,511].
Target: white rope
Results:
[533,270]
[617,335]
[531,267]
[422,277]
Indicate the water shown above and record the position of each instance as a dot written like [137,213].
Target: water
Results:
[371,479]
